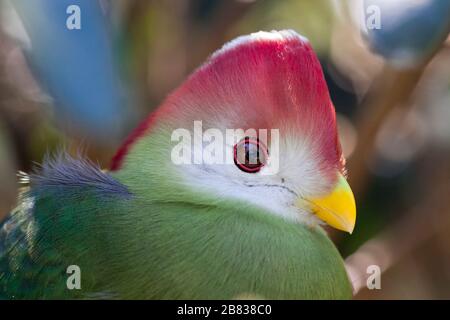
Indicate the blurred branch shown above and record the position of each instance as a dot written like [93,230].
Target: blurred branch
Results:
[17,135]
[16,124]
[429,217]
[392,88]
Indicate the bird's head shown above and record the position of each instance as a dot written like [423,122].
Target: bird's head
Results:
[256,124]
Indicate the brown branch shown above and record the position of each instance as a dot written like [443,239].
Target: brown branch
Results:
[391,89]
[431,215]
[426,219]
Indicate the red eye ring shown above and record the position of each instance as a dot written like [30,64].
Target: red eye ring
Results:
[244,145]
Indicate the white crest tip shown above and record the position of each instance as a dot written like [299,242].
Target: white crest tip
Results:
[261,36]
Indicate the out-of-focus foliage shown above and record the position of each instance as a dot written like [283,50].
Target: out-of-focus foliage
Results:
[7,171]
[76,67]
[428,20]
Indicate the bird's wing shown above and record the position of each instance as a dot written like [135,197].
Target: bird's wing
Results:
[61,220]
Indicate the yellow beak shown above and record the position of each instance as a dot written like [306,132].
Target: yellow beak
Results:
[337,209]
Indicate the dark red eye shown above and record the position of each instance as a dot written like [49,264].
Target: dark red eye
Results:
[250,155]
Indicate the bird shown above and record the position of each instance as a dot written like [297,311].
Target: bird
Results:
[172,219]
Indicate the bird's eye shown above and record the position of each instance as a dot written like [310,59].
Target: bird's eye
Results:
[250,155]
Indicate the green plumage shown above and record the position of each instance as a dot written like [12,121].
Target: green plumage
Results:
[159,239]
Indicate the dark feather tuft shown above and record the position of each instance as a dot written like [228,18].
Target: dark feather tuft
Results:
[64,171]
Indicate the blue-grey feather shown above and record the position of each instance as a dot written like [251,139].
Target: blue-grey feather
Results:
[62,172]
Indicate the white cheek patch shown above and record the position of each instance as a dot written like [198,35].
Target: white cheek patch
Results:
[297,176]
[299,160]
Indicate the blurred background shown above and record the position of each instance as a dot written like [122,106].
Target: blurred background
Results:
[81,77]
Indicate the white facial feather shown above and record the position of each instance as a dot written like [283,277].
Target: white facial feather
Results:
[298,176]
